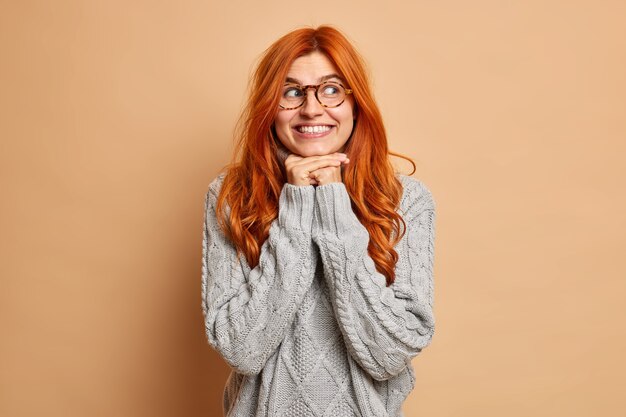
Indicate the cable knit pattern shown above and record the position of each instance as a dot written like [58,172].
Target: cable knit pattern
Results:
[313,330]
[382,329]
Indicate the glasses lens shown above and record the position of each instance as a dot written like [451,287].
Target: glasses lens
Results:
[292,96]
[331,94]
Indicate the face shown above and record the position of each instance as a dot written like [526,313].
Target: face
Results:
[334,125]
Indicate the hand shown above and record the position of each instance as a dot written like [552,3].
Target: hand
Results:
[315,170]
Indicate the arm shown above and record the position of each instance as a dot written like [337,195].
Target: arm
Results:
[247,312]
[383,327]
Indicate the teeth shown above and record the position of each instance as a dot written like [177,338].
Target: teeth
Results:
[313,129]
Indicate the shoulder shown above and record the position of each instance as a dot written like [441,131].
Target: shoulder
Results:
[216,184]
[213,191]
[416,195]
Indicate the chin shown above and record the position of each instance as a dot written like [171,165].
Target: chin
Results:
[307,151]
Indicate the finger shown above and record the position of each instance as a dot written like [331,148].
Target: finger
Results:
[292,158]
[318,164]
[334,156]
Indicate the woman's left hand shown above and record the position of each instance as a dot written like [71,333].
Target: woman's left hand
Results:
[329,174]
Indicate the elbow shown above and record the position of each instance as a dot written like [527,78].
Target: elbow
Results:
[383,376]
[424,338]
[382,365]
[247,366]
[394,367]
[242,359]
[390,369]
[244,363]
[387,365]
[422,341]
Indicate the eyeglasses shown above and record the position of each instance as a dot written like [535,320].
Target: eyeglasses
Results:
[328,94]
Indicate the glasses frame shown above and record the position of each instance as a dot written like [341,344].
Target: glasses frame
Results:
[305,90]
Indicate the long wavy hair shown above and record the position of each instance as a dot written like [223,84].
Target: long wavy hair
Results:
[254,178]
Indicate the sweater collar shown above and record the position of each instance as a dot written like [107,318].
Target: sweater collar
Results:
[282,153]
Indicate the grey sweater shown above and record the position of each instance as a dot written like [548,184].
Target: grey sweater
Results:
[313,330]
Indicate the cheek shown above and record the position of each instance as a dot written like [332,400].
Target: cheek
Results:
[348,113]
[282,129]
[345,117]
[282,122]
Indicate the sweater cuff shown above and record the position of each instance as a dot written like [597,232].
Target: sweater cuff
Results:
[334,209]
[295,207]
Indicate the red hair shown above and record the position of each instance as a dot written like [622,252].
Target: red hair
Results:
[254,179]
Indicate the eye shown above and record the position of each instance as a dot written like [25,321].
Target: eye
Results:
[291,91]
[330,90]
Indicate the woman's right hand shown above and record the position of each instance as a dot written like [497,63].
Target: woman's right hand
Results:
[299,168]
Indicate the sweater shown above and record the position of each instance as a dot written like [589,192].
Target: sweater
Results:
[313,330]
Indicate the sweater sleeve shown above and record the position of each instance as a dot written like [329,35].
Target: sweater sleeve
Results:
[383,327]
[248,311]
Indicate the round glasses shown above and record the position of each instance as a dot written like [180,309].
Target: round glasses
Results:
[328,94]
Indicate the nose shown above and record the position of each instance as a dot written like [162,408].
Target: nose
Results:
[311,106]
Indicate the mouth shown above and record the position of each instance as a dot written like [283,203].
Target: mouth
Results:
[313,130]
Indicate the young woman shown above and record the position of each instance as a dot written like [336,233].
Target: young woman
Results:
[317,280]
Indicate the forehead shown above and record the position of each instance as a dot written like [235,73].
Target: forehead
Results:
[310,68]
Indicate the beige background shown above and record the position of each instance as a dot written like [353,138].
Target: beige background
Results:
[116,115]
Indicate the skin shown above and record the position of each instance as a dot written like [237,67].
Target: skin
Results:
[315,159]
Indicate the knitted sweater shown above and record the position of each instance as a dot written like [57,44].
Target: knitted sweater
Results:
[313,330]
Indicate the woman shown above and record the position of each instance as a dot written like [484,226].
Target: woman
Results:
[317,283]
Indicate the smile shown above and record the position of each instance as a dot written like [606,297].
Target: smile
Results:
[313,129]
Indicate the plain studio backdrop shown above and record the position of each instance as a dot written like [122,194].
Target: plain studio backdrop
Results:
[116,115]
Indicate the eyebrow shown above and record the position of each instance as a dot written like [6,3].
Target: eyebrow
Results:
[321,80]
